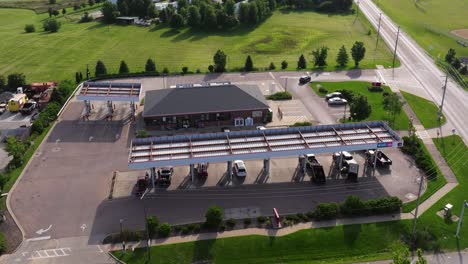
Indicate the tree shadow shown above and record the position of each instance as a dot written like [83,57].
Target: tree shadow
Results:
[351,233]
[98,25]
[170,33]
[202,251]
[354,73]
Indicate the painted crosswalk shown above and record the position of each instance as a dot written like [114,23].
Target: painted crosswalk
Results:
[50,253]
[422,134]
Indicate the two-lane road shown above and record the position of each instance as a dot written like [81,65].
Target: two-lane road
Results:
[423,69]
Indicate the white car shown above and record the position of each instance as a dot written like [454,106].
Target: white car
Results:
[346,155]
[239,168]
[261,128]
[333,95]
[337,101]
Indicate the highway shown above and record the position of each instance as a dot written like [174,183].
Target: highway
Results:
[423,68]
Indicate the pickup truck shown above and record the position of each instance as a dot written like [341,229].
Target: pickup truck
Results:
[382,160]
[28,108]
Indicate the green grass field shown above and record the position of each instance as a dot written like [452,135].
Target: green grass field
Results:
[425,110]
[284,36]
[340,244]
[375,99]
[430,22]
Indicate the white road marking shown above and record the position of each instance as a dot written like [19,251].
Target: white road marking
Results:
[24,254]
[38,238]
[100,249]
[83,227]
[41,231]
[4,194]
[51,253]
[272,76]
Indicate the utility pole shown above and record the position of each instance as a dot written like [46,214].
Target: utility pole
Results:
[465,204]
[394,52]
[417,206]
[148,245]
[87,72]
[286,87]
[378,31]
[443,99]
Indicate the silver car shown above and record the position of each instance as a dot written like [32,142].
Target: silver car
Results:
[337,101]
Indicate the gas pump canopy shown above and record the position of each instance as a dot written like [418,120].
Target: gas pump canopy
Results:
[109,91]
[259,144]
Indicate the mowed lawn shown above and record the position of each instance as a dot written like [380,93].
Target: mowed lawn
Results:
[430,22]
[425,110]
[283,36]
[375,99]
[340,244]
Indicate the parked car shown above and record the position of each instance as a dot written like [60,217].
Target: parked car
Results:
[165,175]
[261,128]
[333,95]
[346,155]
[3,107]
[239,168]
[337,101]
[141,185]
[304,79]
[28,108]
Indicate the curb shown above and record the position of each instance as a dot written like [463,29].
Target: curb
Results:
[115,258]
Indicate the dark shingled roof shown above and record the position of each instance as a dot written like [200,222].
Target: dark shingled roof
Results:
[180,101]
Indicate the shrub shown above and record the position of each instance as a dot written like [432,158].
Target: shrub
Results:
[323,90]
[198,71]
[51,25]
[196,228]
[214,216]
[261,219]
[353,206]
[142,133]
[211,68]
[293,219]
[128,235]
[185,230]
[325,211]
[268,117]
[185,70]
[302,217]
[299,124]
[231,223]
[280,96]
[29,28]
[272,66]
[284,65]
[310,214]
[247,222]
[347,94]
[384,205]
[164,230]
[86,18]
[165,70]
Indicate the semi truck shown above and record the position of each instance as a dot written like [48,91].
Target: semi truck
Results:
[318,174]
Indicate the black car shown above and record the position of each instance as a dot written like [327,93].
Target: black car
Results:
[304,79]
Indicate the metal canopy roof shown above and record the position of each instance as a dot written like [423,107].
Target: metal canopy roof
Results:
[259,144]
[109,91]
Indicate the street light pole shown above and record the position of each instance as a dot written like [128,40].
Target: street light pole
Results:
[121,232]
[378,31]
[148,244]
[443,99]
[465,204]
[417,206]
[394,52]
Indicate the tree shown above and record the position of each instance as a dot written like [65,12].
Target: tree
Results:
[272,4]
[100,68]
[193,17]
[358,52]
[81,76]
[456,63]
[253,13]
[450,55]
[16,149]
[151,11]
[214,216]
[464,70]
[55,12]
[177,21]
[342,58]
[392,104]
[152,223]
[272,66]
[109,12]
[211,68]
[185,70]
[219,60]
[16,80]
[248,64]
[301,63]
[123,67]
[284,65]
[64,11]
[51,25]
[150,66]
[77,77]
[360,108]
[29,28]
[244,13]
[401,255]
[91,2]
[230,7]
[3,83]
[210,20]
[320,56]
[52,2]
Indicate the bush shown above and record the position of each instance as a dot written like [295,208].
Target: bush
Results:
[268,117]
[347,94]
[261,219]
[214,216]
[293,219]
[353,206]
[196,228]
[29,28]
[164,230]
[247,222]
[280,96]
[272,66]
[322,90]
[51,25]
[185,70]
[284,65]
[86,18]
[299,124]
[142,133]
[310,214]
[375,88]
[384,205]
[152,225]
[302,217]
[325,211]
[185,230]
[165,70]
[231,223]
[126,236]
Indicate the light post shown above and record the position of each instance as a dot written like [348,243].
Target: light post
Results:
[465,204]
[344,113]
[121,233]
[146,225]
